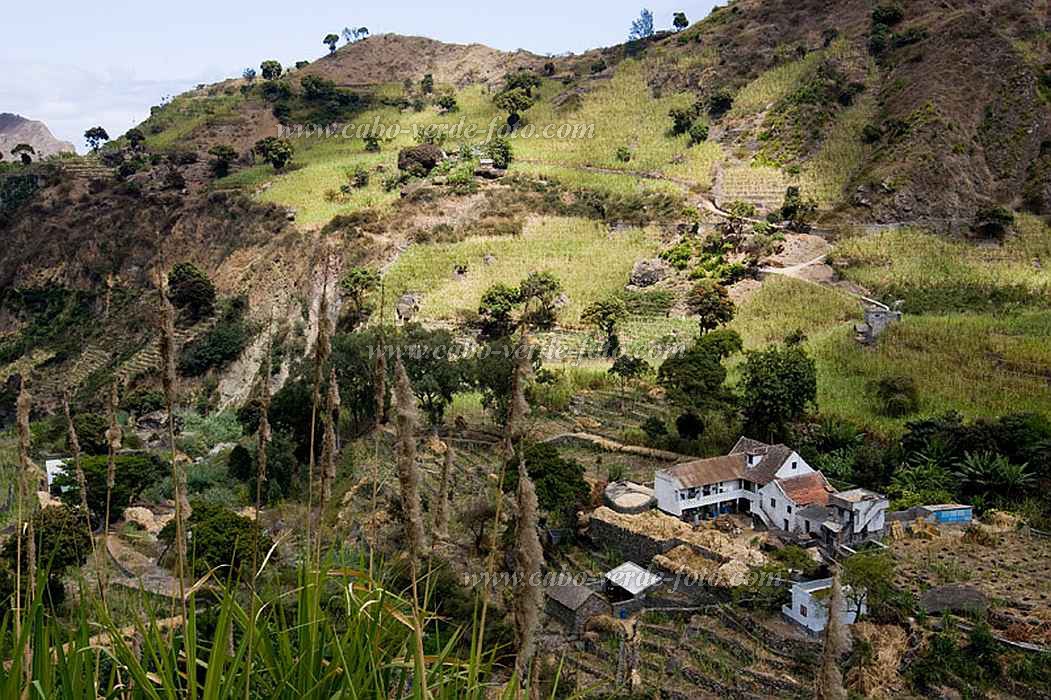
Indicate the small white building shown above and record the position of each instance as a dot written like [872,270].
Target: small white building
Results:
[810,603]
[54,467]
[629,580]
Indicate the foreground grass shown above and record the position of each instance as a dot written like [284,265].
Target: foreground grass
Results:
[590,262]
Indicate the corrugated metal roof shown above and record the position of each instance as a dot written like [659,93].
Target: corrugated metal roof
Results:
[703,472]
[632,578]
[570,595]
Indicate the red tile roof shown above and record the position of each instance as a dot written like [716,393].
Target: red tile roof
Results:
[808,489]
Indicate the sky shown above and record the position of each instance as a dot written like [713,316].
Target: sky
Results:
[77,64]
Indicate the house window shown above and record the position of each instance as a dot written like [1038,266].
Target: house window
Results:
[682,495]
[802,610]
[795,464]
[806,524]
[773,503]
[789,510]
[786,525]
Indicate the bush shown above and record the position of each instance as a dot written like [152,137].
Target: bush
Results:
[220,346]
[191,291]
[623,154]
[698,133]
[499,150]
[887,14]
[654,429]
[220,537]
[134,473]
[419,160]
[719,103]
[91,433]
[897,396]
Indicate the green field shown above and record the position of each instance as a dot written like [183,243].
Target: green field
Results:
[590,262]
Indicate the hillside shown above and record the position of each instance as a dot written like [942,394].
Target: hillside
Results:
[755,303]
[15,129]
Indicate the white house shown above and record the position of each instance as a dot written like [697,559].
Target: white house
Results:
[810,605]
[776,486]
[54,467]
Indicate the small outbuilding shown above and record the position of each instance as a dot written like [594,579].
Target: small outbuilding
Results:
[574,605]
[947,514]
[629,580]
[810,605]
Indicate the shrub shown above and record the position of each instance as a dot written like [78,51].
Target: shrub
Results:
[141,401]
[419,160]
[499,150]
[888,14]
[993,223]
[222,344]
[220,537]
[447,103]
[222,157]
[698,133]
[623,154]
[719,103]
[372,144]
[358,177]
[560,484]
[654,429]
[270,70]
[897,396]
[277,152]
[134,473]
[91,433]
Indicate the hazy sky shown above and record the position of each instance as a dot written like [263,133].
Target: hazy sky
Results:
[77,64]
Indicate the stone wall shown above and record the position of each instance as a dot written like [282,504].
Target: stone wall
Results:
[632,546]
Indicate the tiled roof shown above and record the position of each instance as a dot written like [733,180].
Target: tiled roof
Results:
[702,472]
[808,489]
[570,595]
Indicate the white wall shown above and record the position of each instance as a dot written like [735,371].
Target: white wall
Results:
[780,510]
[816,617]
[667,498]
[787,470]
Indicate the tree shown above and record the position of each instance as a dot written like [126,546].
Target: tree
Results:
[248,74]
[277,152]
[133,474]
[427,84]
[63,543]
[869,578]
[191,290]
[627,368]
[711,304]
[681,120]
[493,371]
[355,287]
[779,384]
[605,315]
[695,378]
[351,34]
[525,79]
[331,40]
[560,484]
[270,70]
[496,306]
[514,102]
[95,136]
[135,138]
[91,433]
[698,133]
[641,28]
[543,290]
[679,21]
[222,157]
[24,152]
[435,377]
[796,212]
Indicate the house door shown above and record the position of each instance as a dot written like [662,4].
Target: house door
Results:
[786,524]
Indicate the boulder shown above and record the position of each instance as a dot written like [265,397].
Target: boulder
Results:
[143,518]
[647,273]
[419,160]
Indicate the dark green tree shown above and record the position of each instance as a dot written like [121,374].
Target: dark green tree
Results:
[135,138]
[222,157]
[496,307]
[696,377]
[427,84]
[711,304]
[539,292]
[778,385]
[277,152]
[514,102]
[331,40]
[191,291]
[133,474]
[95,136]
[679,21]
[435,376]
[24,152]
[605,315]
[560,484]
[270,70]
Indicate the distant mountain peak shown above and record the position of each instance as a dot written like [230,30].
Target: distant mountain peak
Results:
[16,129]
